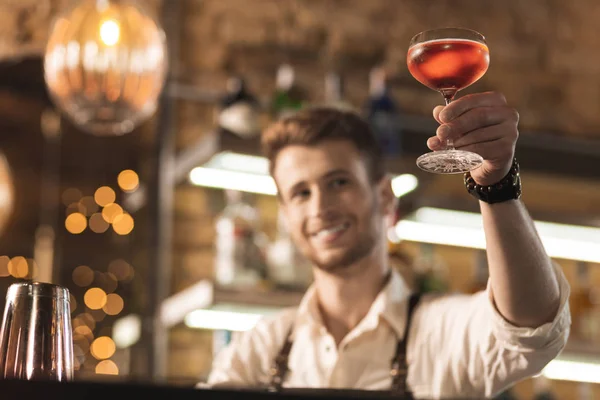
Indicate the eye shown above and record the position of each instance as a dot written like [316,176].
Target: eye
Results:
[301,194]
[339,182]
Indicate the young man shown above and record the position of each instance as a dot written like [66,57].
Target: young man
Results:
[358,326]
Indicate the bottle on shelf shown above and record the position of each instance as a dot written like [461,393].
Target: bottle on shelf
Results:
[240,259]
[288,268]
[507,394]
[288,98]
[239,110]
[582,304]
[431,272]
[542,389]
[334,92]
[382,112]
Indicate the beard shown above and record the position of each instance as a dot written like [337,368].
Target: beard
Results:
[364,246]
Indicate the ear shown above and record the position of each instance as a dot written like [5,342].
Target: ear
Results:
[388,201]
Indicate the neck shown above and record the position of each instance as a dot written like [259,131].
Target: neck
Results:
[344,300]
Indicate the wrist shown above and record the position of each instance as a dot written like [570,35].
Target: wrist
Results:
[508,188]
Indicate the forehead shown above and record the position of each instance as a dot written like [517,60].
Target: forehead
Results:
[302,163]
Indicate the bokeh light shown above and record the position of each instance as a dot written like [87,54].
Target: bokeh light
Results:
[107,367]
[98,224]
[114,304]
[128,180]
[103,347]
[76,207]
[89,205]
[106,281]
[70,196]
[18,267]
[111,211]
[123,224]
[121,269]
[95,298]
[104,196]
[83,276]
[76,223]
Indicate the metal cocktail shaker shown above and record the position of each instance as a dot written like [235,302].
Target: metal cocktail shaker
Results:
[36,339]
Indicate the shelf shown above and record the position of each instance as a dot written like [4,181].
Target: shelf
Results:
[579,350]
[205,295]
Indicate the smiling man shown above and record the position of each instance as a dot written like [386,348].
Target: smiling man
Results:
[358,326]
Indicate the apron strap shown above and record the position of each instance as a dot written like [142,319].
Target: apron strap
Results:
[280,368]
[399,371]
[399,367]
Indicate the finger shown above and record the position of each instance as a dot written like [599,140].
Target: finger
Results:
[468,102]
[436,113]
[474,119]
[490,150]
[482,135]
[434,143]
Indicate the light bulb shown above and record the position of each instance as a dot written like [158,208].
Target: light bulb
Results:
[110,32]
[105,65]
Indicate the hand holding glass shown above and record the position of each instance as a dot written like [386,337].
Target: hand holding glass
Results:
[448,60]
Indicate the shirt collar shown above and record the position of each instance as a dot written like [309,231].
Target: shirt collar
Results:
[389,305]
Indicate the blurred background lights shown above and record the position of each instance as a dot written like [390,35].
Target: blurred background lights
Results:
[128,180]
[102,348]
[95,298]
[104,196]
[83,276]
[76,223]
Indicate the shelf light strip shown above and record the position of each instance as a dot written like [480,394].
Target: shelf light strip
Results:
[462,229]
[222,320]
[247,173]
[575,371]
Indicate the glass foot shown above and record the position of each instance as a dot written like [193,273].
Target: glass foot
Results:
[449,161]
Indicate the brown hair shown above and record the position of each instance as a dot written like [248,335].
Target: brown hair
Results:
[315,124]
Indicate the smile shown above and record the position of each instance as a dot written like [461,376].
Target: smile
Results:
[332,232]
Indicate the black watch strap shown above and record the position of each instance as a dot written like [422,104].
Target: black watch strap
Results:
[509,188]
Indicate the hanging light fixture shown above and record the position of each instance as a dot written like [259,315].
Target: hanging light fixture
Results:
[6,192]
[105,65]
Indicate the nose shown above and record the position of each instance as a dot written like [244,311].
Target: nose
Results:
[322,204]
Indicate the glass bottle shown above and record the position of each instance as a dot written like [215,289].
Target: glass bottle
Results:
[382,113]
[240,259]
[287,98]
[542,389]
[581,302]
[239,110]
[287,266]
[334,92]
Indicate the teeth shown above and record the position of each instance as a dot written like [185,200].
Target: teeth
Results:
[332,230]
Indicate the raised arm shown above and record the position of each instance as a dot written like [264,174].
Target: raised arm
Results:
[523,282]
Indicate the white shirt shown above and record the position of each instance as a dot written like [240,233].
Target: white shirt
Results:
[459,346]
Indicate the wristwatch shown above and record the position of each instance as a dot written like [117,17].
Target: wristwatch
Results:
[509,188]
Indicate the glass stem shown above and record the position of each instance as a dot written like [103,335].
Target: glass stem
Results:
[448,96]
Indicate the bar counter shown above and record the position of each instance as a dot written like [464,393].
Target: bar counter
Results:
[85,390]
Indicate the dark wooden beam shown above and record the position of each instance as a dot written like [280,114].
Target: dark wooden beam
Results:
[161,188]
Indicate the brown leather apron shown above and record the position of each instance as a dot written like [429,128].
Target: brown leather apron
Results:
[398,369]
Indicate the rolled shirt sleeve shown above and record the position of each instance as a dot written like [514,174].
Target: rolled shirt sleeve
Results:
[551,335]
[463,347]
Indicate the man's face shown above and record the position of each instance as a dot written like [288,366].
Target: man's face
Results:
[334,213]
